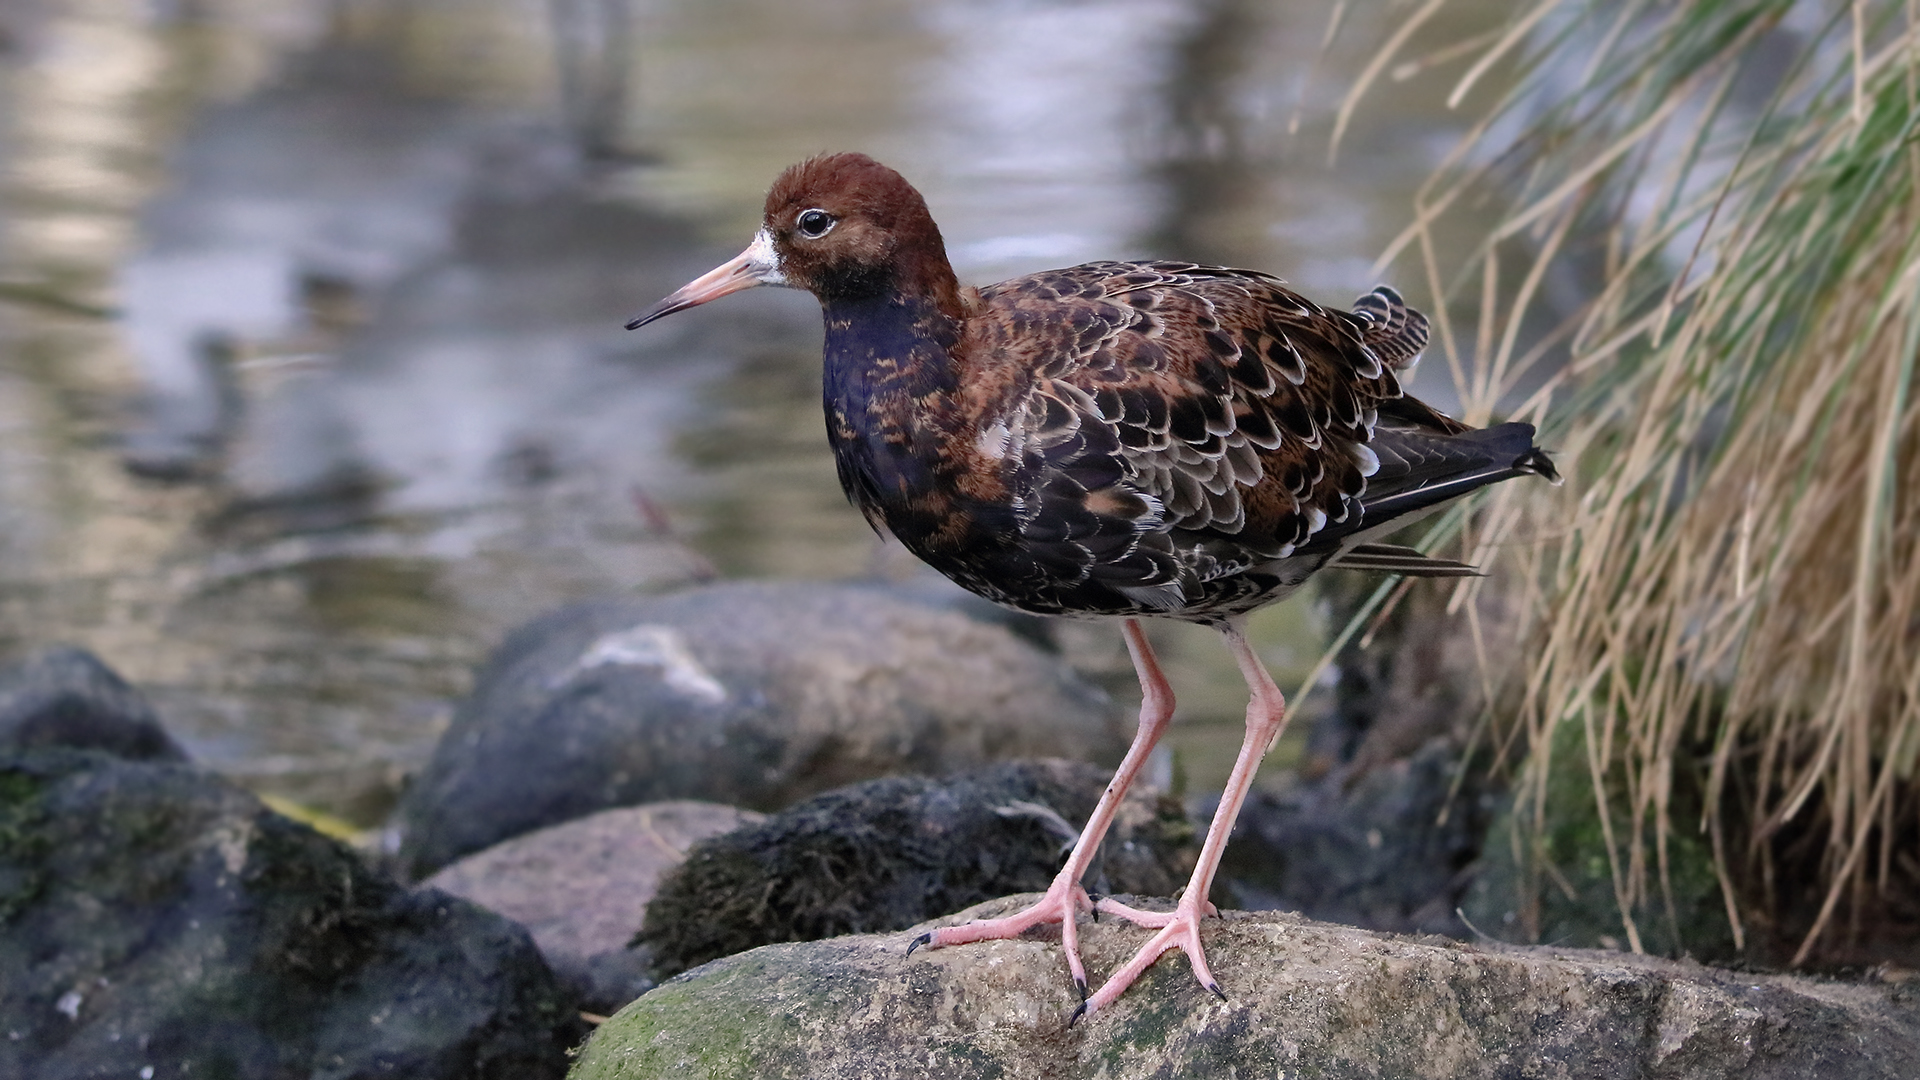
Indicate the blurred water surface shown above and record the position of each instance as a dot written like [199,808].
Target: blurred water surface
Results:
[312,381]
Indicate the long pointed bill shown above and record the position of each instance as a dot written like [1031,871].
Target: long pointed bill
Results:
[758,265]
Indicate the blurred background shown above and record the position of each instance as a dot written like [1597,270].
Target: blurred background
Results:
[312,380]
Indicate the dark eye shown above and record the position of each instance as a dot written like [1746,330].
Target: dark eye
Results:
[814,224]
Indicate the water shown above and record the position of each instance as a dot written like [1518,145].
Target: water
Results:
[312,381]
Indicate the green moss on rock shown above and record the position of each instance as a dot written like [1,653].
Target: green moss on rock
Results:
[1304,1000]
[161,918]
[1575,845]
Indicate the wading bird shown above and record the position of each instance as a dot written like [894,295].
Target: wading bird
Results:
[1123,440]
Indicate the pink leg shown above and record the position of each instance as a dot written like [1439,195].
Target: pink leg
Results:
[1180,928]
[1065,899]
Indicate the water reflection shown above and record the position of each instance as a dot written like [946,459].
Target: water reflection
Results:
[366,402]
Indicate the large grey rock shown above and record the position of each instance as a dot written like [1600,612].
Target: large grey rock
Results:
[748,694]
[67,697]
[885,854]
[582,888]
[1303,999]
[156,920]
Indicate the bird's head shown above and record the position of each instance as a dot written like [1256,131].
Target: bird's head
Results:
[842,227]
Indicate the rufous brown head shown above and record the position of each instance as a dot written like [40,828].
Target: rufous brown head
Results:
[841,226]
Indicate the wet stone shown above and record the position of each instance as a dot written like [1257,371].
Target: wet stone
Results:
[67,697]
[886,854]
[748,694]
[582,888]
[1302,999]
[156,920]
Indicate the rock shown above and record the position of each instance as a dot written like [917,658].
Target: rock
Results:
[159,920]
[929,588]
[67,697]
[1303,999]
[582,888]
[1377,854]
[748,694]
[886,854]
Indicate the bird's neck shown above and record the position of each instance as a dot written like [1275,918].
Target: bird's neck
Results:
[890,388]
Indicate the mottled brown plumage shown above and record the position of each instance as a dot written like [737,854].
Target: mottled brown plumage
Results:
[1112,439]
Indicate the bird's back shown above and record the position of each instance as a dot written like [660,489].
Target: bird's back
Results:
[1169,438]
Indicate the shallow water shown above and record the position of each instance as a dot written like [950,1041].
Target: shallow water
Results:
[343,283]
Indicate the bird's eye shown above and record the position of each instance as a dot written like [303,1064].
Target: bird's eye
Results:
[814,224]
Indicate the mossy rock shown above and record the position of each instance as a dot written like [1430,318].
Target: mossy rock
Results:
[155,919]
[886,854]
[1303,999]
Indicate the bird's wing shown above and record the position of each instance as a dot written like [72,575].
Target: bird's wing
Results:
[1238,406]
[1172,419]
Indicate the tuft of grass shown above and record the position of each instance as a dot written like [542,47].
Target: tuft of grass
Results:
[1728,601]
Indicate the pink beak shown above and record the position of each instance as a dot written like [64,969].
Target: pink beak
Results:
[758,265]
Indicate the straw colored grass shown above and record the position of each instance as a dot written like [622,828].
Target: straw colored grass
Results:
[1726,598]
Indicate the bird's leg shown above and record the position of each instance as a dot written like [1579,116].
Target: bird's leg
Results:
[1066,897]
[1180,928]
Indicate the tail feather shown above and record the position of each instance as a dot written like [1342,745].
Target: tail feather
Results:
[1537,462]
[1394,559]
[1418,472]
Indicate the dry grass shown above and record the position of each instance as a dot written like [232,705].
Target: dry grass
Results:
[1733,577]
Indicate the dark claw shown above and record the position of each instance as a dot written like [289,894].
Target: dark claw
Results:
[919,941]
[1217,992]
[1077,1014]
[1094,899]
[1081,985]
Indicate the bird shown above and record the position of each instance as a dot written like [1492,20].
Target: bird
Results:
[1113,440]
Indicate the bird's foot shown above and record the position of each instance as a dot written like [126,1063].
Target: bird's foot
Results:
[1178,929]
[1064,900]
[1153,920]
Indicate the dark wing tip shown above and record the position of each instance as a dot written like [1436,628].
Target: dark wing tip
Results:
[1536,461]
